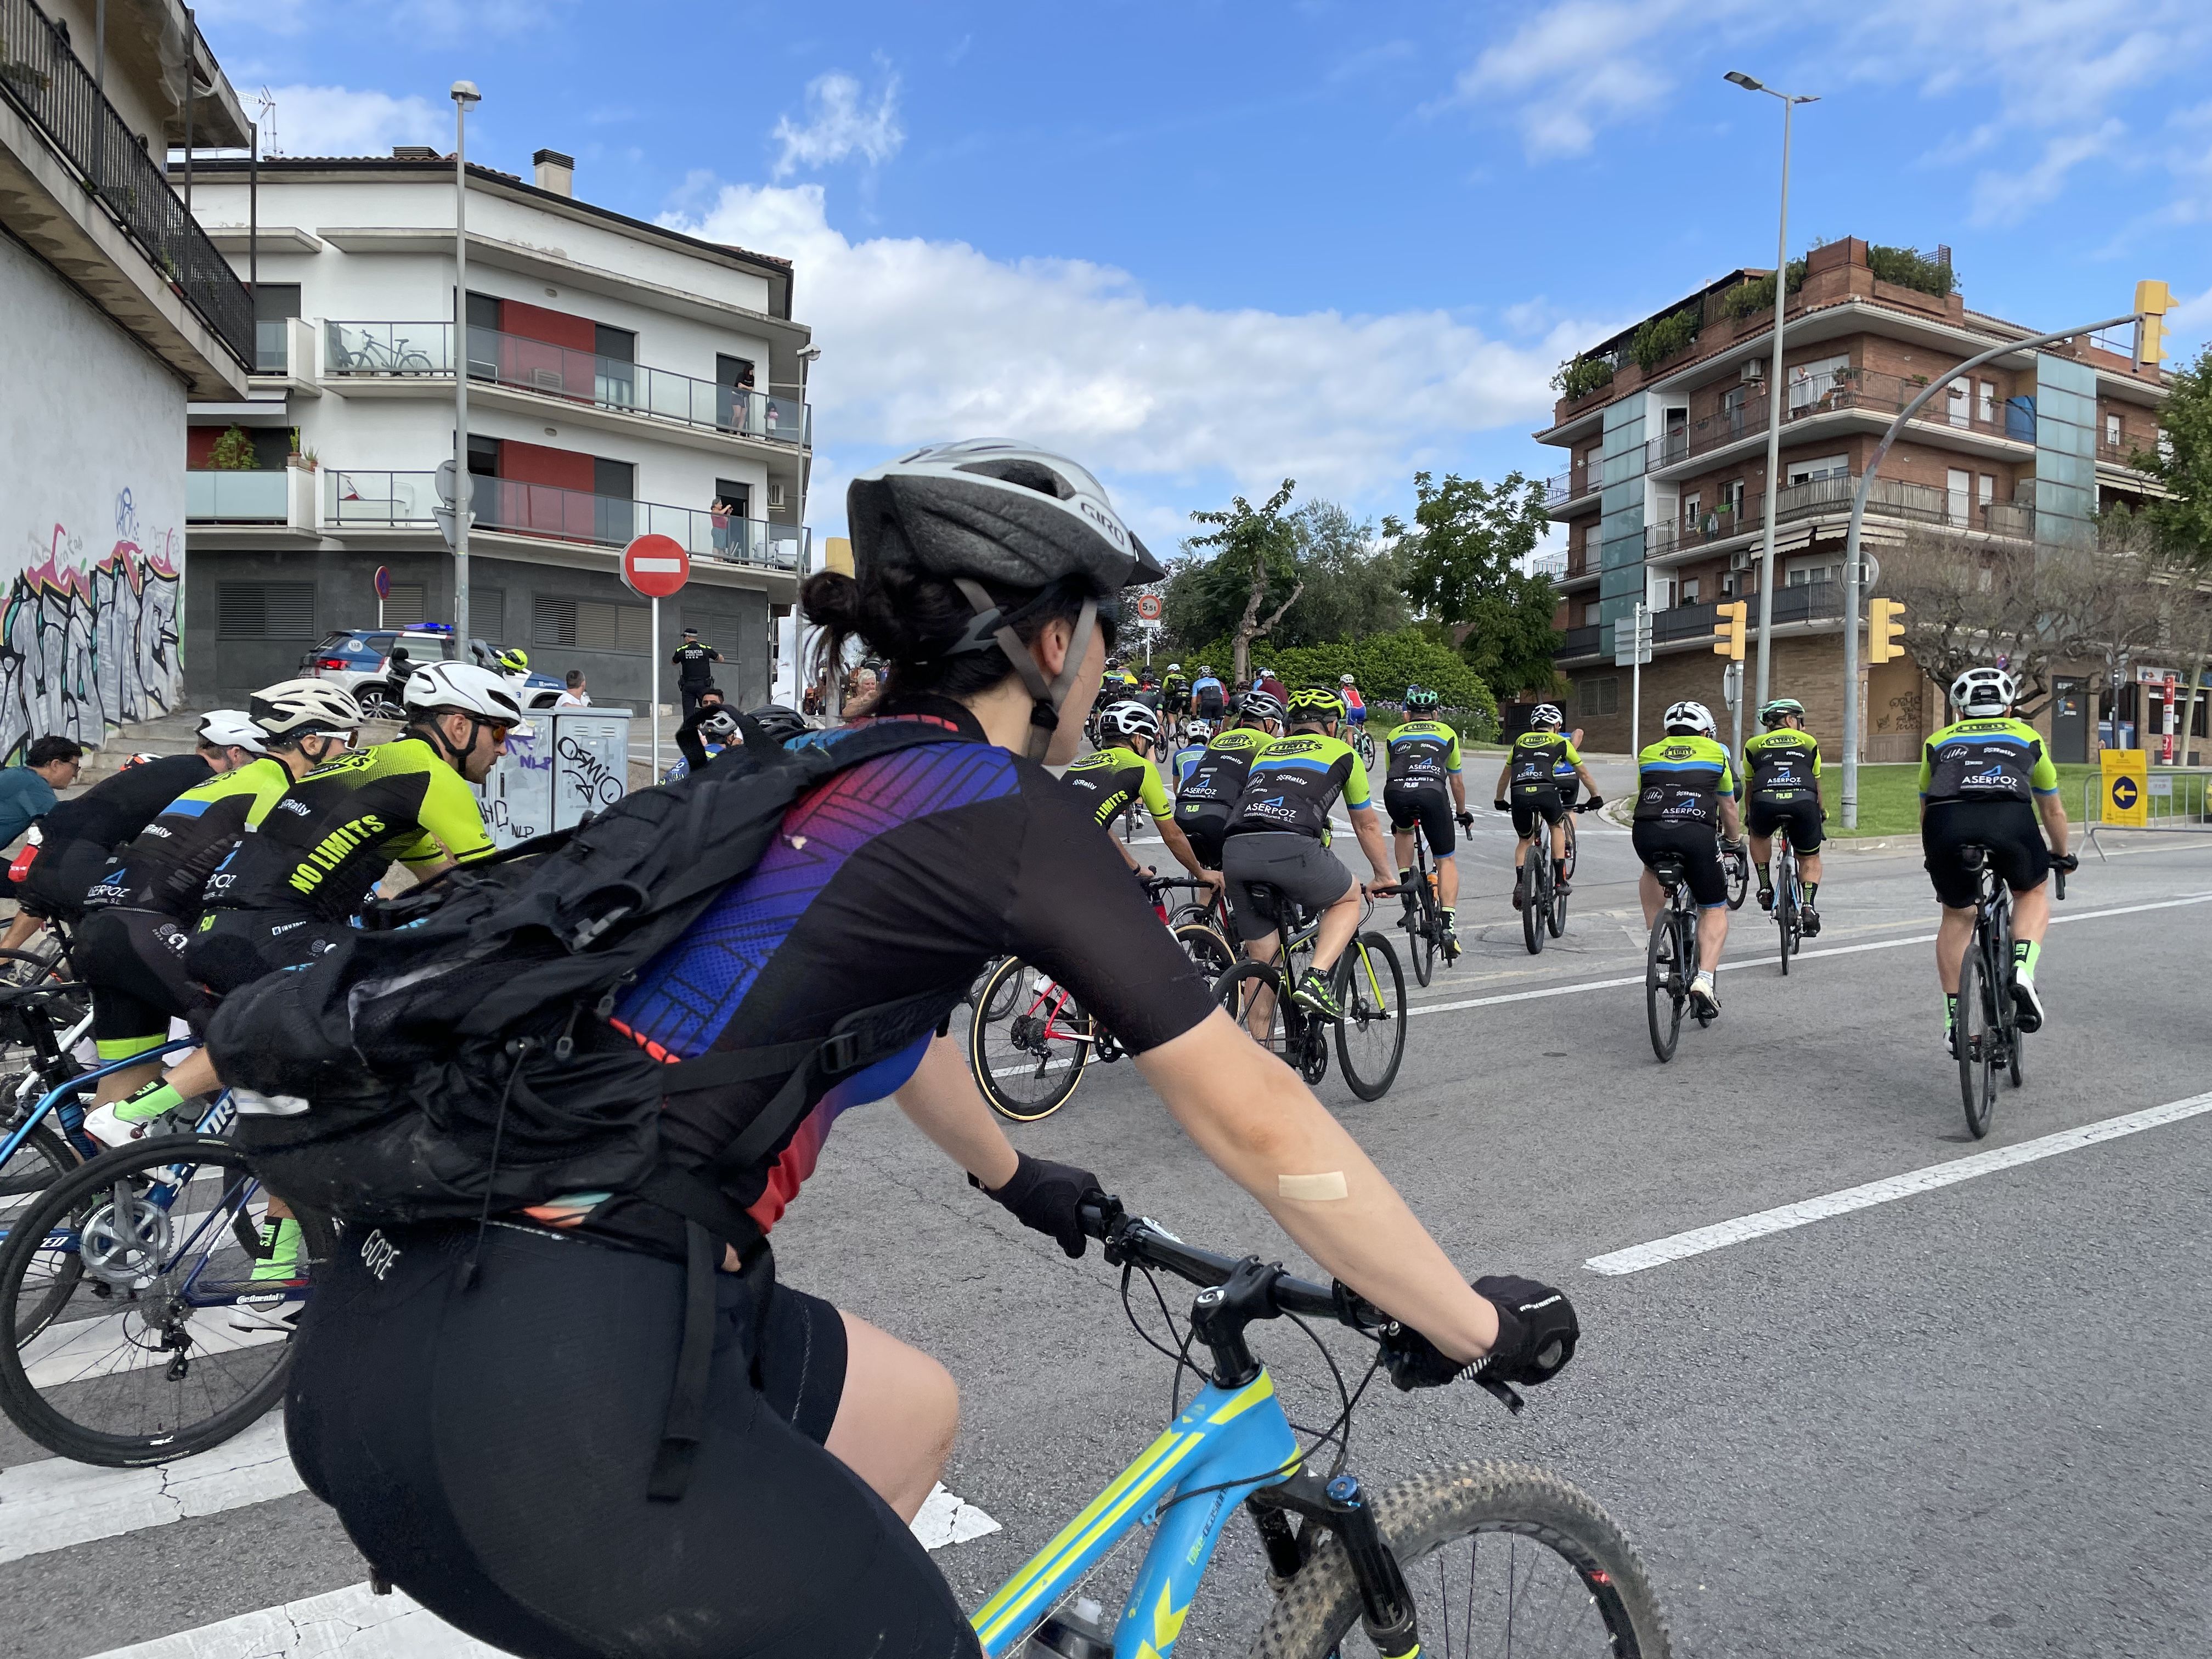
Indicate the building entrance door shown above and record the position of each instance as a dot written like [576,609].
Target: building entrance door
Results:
[2069,723]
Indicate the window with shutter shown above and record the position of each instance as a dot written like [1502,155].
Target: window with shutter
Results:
[591,624]
[265,610]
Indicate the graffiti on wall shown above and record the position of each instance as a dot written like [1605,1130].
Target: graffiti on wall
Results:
[87,643]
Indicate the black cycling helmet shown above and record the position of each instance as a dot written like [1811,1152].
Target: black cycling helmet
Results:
[994,509]
[780,722]
[1779,710]
[1316,703]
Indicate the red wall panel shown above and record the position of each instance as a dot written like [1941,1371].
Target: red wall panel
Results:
[540,463]
[555,327]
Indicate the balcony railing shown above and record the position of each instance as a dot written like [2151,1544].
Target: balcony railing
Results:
[508,506]
[1581,641]
[355,350]
[42,77]
[230,497]
[1843,389]
[1891,498]
[1684,621]
[272,346]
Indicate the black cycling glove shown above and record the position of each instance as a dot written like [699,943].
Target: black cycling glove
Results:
[1047,1196]
[2069,862]
[1537,1331]
[1593,803]
[1465,820]
[1500,807]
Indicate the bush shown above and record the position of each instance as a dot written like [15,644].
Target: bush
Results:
[1658,339]
[1384,664]
[1579,377]
[1908,267]
[1756,297]
[233,452]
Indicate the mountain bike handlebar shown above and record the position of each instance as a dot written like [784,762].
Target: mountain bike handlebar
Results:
[1130,1238]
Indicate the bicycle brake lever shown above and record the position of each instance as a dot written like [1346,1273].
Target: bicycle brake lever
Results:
[1505,1393]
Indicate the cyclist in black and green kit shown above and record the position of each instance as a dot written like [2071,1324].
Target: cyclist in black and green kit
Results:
[1278,837]
[1111,777]
[1532,771]
[1208,792]
[1984,779]
[1424,762]
[1687,794]
[1782,786]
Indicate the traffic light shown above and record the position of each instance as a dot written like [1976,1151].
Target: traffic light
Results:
[1885,630]
[2152,300]
[1730,620]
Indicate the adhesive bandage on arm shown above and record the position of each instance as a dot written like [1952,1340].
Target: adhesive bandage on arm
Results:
[1313,1187]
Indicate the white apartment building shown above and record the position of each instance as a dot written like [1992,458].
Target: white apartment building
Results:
[114,309]
[623,378]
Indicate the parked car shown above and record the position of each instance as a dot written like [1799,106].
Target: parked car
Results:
[359,660]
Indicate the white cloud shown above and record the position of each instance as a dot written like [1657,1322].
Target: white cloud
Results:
[1580,65]
[932,340]
[837,125]
[340,121]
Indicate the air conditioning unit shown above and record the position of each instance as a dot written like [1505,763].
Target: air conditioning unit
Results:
[1754,370]
[1742,559]
[775,498]
[547,379]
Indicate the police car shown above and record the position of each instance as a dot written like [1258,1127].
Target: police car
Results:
[359,660]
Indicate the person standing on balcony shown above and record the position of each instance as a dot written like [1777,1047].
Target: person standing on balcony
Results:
[722,518]
[694,663]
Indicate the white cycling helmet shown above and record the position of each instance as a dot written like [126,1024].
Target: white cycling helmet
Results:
[303,708]
[1344,679]
[1695,716]
[1175,668]
[1130,720]
[1981,693]
[465,688]
[230,728]
[1197,731]
[1547,715]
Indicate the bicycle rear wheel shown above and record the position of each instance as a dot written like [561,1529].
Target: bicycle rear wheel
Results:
[1737,869]
[1665,985]
[1975,1036]
[1028,1057]
[1785,912]
[1555,913]
[1499,1558]
[1424,926]
[1252,992]
[42,1159]
[1370,1040]
[1574,845]
[168,1345]
[1206,947]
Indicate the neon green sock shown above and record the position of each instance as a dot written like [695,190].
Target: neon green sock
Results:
[2025,953]
[280,1238]
[1812,891]
[1765,881]
[150,1102]
[1950,1010]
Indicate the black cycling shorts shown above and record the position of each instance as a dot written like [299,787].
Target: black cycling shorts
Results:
[1526,808]
[1802,817]
[1697,848]
[53,887]
[1295,865]
[1203,830]
[489,1449]
[134,961]
[1571,790]
[2006,828]
[1411,804]
[231,949]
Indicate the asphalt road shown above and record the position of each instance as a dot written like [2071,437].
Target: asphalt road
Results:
[1969,1420]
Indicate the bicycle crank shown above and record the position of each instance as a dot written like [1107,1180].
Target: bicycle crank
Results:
[124,1245]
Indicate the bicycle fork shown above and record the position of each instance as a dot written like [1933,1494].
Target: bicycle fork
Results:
[1340,1504]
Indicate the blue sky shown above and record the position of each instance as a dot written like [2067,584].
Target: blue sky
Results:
[1201,247]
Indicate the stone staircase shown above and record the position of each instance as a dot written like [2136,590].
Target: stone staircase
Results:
[174,733]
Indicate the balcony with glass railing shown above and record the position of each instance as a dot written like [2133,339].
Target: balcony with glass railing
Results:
[1961,408]
[1890,498]
[272,350]
[354,499]
[361,350]
[213,496]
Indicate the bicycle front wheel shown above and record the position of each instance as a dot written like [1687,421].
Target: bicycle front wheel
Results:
[1370,1040]
[1974,1033]
[1424,926]
[1027,1047]
[1500,1559]
[1665,984]
[1535,901]
[177,1333]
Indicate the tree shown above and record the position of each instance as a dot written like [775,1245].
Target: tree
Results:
[1463,556]
[1258,548]
[2182,463]
[1352,587]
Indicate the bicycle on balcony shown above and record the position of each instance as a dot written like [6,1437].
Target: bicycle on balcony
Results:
[375,356]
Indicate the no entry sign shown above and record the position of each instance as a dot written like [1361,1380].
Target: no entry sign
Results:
[655,566]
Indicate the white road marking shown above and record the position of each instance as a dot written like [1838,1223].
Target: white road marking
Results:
[1699,1240]
[85,1349]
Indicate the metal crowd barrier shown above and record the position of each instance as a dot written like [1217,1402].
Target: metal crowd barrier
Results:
[2179,798]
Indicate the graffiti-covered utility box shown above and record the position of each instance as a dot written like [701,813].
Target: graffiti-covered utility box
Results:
[559,765]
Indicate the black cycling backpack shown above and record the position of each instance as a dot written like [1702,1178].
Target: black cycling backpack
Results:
[453,1059]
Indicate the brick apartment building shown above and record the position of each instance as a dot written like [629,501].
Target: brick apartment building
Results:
[1665,492]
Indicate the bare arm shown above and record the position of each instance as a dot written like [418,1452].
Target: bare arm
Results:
[2054,821]
[1503,773]
[1263,1129]
[942,1101]
[1590,783]
[1731,818]
[1459,791]
[1370,831]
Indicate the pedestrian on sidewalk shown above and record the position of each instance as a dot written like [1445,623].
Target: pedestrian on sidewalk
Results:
[575,696]
[694,663]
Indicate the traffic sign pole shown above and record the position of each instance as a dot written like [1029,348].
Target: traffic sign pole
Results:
[653,567]
[382,582]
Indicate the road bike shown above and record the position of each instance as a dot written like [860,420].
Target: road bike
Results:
[1536,885]
[1789,897]
[1366,981]
[39,1025]
[1424,921]
[1462,1559]
[1986,1035]
[1363,744]
[1671,962]
[375,356]
[1030,1041]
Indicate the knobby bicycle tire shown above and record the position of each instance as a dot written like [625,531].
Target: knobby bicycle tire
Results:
[113,1369]
[1596,1583]
[1535,897]
[1975,1034]
[1372,993]
[994,1067]
[1664,983]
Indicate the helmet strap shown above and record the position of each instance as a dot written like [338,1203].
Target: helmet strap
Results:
[1045,699]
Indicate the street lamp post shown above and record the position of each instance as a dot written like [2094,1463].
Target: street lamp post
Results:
[463,94]
[1790,102]
[1851,572]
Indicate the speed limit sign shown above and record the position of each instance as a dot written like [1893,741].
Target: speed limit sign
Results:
[1148,607]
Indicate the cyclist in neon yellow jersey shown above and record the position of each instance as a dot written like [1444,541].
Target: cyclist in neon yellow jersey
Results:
[1110,778]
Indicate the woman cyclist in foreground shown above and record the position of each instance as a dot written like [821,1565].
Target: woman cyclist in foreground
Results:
[487,1448]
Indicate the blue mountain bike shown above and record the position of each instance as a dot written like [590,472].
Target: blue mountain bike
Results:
[1489,1558]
